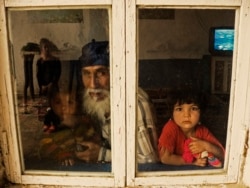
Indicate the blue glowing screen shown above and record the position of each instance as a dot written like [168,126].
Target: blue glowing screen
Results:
[224,39]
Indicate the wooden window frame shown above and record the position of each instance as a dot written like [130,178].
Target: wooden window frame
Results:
[237,120]
[123,35]
[10,143]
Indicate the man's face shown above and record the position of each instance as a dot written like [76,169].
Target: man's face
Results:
[96,80]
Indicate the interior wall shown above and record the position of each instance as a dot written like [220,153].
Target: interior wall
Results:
[184,36]
[68,37]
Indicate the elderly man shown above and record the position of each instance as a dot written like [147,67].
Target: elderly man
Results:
[96,102]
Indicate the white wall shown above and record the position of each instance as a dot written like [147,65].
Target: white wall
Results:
[69,37]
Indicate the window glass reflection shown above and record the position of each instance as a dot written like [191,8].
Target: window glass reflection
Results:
[176,67]
[62,88]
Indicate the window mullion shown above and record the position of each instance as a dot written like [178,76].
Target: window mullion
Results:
[131,67]
[118,92]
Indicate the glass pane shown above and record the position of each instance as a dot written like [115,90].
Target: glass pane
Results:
[183,55]
[61,80]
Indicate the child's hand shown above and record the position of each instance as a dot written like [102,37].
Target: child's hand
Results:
[200,162]
[68,162]
[197,145]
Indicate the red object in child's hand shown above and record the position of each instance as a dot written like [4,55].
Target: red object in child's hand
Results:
[187,155]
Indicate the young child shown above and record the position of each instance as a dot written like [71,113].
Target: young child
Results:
[184,140]
[62,110]
[71,128]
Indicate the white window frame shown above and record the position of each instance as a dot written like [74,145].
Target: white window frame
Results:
[238,119]
[123,86]
[9,129]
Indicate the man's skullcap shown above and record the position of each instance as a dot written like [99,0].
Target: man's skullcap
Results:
[95,53]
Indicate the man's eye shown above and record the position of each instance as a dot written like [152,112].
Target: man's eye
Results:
[85,73]
[101,73]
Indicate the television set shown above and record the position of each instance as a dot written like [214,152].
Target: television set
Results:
[221,41]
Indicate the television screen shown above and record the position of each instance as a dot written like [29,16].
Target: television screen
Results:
[221,40]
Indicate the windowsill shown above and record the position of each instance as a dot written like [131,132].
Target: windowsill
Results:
[164,167]
[34,164]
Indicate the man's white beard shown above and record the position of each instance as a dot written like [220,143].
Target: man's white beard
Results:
[97,108]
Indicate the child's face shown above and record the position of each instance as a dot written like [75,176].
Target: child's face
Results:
[186,116]
[64,106]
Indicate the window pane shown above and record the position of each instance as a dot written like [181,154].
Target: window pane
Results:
[183,50]
[61,77]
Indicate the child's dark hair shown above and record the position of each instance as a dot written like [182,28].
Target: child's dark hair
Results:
[188,96]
